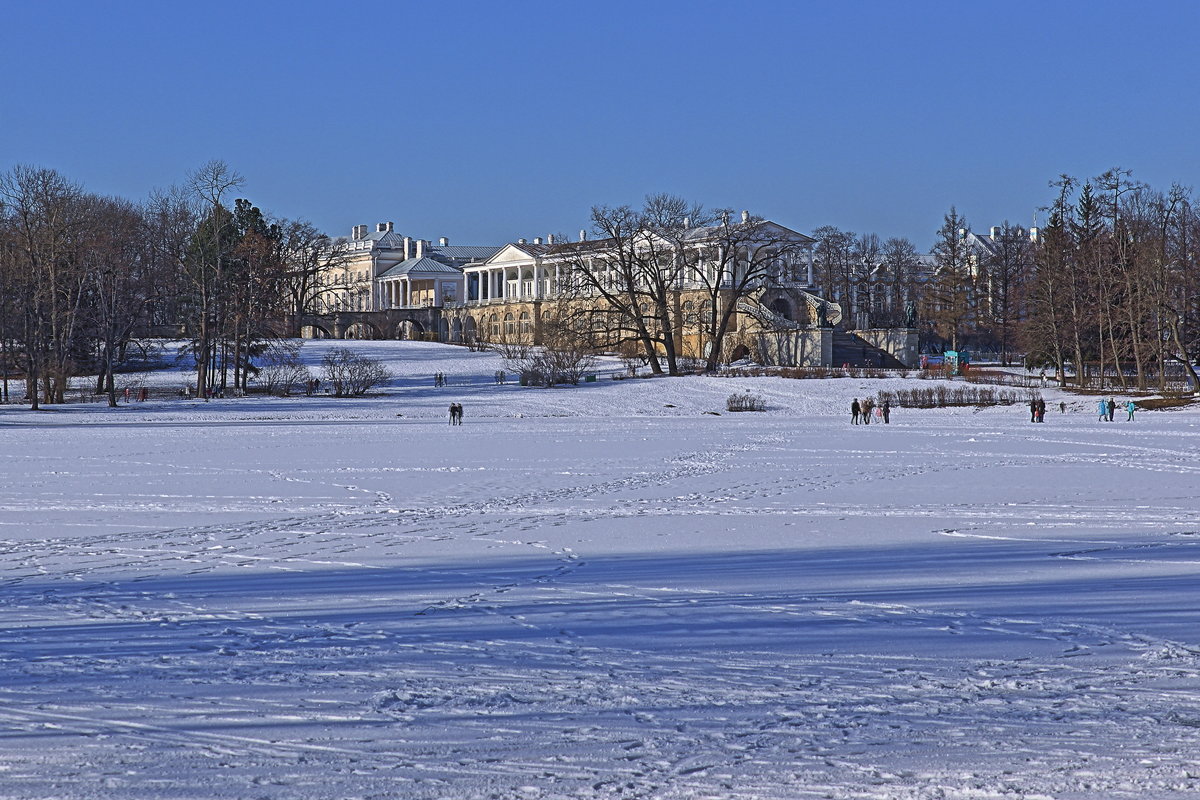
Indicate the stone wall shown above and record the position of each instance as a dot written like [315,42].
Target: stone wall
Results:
[899,342]
[811,347]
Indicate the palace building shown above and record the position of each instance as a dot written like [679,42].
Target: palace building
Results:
[757,274]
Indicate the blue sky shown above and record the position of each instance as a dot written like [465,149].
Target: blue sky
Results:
[486,122]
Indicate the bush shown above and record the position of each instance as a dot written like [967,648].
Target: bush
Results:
[352,374]
[281,370]
[957,395]
[745,402]
[564,358]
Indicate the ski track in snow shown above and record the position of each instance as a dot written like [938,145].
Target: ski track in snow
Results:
[772,606]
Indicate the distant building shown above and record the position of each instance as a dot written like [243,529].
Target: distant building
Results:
[384,269]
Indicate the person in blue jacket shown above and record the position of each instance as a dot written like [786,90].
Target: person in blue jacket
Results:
[1130,407]
[1103,410]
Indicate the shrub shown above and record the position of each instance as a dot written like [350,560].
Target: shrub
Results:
[745,402]
[957,395]
[281,370]
[351,373]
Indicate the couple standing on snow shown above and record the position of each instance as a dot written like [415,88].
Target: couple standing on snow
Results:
[1109,407]
[456,413]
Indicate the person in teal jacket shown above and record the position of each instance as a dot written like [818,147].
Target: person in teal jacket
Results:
[1103,404]
[1130,407]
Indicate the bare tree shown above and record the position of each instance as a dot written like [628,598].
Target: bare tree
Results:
[634,272]
[43,218]
[308,255]
[897,282]
[866,255]
[732,260]
[834,264]
[951,291]
[119,285]
[1006,272]
[211,183]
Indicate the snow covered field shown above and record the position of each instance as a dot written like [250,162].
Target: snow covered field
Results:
[593,592]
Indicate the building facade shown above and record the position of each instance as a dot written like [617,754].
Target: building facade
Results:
[383,270]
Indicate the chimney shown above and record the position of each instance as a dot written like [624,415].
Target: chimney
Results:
[420,248]
[687,223]
[381,227]
[1033,234]
[443,242]
[582,235]
[995,233]
[745,217]
[550,238]
[520,241]
[389,227]
[407,248]
[537,240]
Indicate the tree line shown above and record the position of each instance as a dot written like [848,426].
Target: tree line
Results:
[82,274]
[1107,291]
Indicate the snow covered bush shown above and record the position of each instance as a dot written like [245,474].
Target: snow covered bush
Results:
[351,373]
[745,402]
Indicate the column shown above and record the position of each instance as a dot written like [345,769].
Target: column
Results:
[537,281]
[808,260]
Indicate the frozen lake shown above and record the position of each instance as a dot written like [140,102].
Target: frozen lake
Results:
[597,591]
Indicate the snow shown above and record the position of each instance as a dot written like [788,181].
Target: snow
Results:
[593,592]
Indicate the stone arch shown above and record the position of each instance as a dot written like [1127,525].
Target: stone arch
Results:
[443,330]
[456,330]
[525,324]
[314,331]
[470,331]
[781,307]
[409,329]
[510,326]
[494,327]
[739,352]
[361,329]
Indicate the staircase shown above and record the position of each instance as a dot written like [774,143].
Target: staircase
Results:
[855,351]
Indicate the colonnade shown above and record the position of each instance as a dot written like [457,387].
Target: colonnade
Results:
[512,283]
[396,293]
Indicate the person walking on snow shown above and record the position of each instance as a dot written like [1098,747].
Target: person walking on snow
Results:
[1112,408]
[1033,410]
[886,408]
[1130,407]
[1103,410]
[855,412]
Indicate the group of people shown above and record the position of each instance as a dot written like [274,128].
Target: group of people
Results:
[456,413]
[1108,408]
[439,379]
[500,377]
[861,412]
[1037,410]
